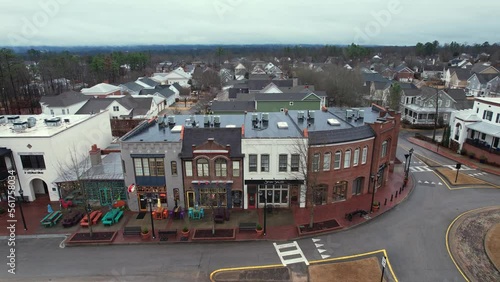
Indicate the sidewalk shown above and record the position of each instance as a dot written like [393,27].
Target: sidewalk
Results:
[445,152]
[281,225]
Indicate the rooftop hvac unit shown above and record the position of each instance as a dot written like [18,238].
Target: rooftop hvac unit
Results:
[282,125]
[361,113]
[20,125]
[2,120]
[265,116]
[300,114]
[217,119]
[255,117]
[13,119]
[312,114]
[206,119]
[31,122]
[333,121]
[349,113]
[171,120]
[53,121]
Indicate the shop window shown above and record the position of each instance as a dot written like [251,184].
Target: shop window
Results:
[202,167]
[220,167]
[339,191]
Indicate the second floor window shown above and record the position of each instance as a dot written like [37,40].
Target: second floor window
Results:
[189,168]
[315,162]
[327,157]
[488,115]
[295,162]
[338,157]
[347,159]
[283,163]
[384,149]
[202,167]
[33,161]
[355,160]
[252,163]
[220,167]
[264,163]
[173,168]
[364,155]
[236,168]
[149,167]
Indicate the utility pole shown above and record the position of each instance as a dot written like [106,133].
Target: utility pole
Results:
[436,116]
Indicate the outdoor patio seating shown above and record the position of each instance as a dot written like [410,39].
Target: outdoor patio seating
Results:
[94,218]
[51,219]
[71,219]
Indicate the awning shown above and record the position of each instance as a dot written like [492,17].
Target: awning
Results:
[487,128]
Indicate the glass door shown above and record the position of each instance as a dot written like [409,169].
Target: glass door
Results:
[143,202]
[105,196]
[190,199]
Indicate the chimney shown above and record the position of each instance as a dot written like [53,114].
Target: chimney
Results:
[95,155]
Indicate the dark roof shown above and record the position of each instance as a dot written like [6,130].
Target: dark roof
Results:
[369,77]
[133,86]
[401,67]
[149,81]
[273,96]
[64,99]
[177,86]
[459,96]
[298,89]
[233,106]
[222,136]
[340,135]
[239,88]
[140,106]
[462,74]
[484,78]
[479,67]
[261,76]
[412,92]
[255,84]
[407,85]
[381,85]
[165,92]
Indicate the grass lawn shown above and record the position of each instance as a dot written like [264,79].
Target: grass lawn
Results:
[492,245]
[462,177]
[367,270]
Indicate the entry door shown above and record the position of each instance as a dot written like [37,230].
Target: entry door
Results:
[105,196]
[251,200]
[143,203]
[190,199]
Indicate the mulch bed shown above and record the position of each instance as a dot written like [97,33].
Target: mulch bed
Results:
[319,226]
[97,237]
[206,234]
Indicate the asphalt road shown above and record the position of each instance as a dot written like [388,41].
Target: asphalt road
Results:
[413,234]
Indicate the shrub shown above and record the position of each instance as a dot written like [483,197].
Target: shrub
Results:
[258,227]
[185,229]
[145,230]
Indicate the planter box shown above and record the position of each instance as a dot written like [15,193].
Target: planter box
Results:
[74,239]
[319,227]
[227,234]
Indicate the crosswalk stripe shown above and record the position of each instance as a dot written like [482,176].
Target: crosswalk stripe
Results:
[420,168]
[297,251]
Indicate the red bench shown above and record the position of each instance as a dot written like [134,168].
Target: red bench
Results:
[94,217]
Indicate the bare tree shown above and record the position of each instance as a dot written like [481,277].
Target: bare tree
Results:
[73,174]
[212,201]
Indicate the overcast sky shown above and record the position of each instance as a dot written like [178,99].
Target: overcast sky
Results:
[138,22]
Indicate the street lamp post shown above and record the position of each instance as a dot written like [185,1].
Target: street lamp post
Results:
[21,206]
[374,179]
[409,162]
[150,201]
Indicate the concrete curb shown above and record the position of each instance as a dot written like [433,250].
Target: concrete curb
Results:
[37,236]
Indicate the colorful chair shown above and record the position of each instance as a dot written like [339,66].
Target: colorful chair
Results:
[202,212]
[190,213]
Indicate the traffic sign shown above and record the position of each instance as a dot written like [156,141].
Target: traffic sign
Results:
[383,262]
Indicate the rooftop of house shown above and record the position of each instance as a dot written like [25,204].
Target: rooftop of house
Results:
[221,136]
[228,106]
[262,125]
[100,89]
[23,126]
[139,105]
[133,86]
[110,168]
[64,99]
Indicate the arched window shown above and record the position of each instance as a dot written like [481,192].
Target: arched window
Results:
[347,158]
[384,149]
[220,167]
[202,167]
[327,158]
[338,159]
[355,159]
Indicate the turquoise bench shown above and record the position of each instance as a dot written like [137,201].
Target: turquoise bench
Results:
[52,219]
[118,215]
[46,217]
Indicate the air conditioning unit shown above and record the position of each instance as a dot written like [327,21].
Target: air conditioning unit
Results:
[300,114]
[171,120]
[265,116]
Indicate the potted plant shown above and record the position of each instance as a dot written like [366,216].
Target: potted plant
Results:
[259,230]
[185,232]
[376,205]
[472,155]
[145,234]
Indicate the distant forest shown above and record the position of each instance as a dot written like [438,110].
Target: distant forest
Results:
[28,73]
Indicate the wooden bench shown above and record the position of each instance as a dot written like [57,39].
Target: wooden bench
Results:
[247,226]
[117,217]
[52,219]
[132,230]
[163,234]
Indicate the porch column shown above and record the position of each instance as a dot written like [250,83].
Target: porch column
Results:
[303,192]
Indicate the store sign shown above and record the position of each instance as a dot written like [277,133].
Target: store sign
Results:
[274,182]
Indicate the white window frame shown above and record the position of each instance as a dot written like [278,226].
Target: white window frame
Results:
[236,168]
[355,160]
[347,158]
[189,168]
[315,162]
[364,155]
[383,151]
[327,160]
[337,163]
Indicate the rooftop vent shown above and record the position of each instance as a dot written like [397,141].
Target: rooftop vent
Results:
[3,120]
[361,114]
[31,122]
[265,116]
[255,117]
[13,119]
[20,125]
[171,120]
[216,119]
[230,126]
[349,114]
[55,121]
[300,115]
[66,120]
[206,119]
[333,121]
[282,125]
[176,129]
[311,114]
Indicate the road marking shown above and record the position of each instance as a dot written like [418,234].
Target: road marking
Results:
[420,168]
[316,240]
[321,251]
[319,245]
[325,256]
[439,183]
[297,251]
[452,167]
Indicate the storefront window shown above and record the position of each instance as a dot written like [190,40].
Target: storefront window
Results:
[276,194]
[339,191]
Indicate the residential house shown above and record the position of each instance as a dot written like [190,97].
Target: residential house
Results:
[457,78]
[66,103]
[404,73]
[124,107]
[39,147]
[279,102]
[102,90]
[484,68]
[418,106]
[481,84]
[477,130]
